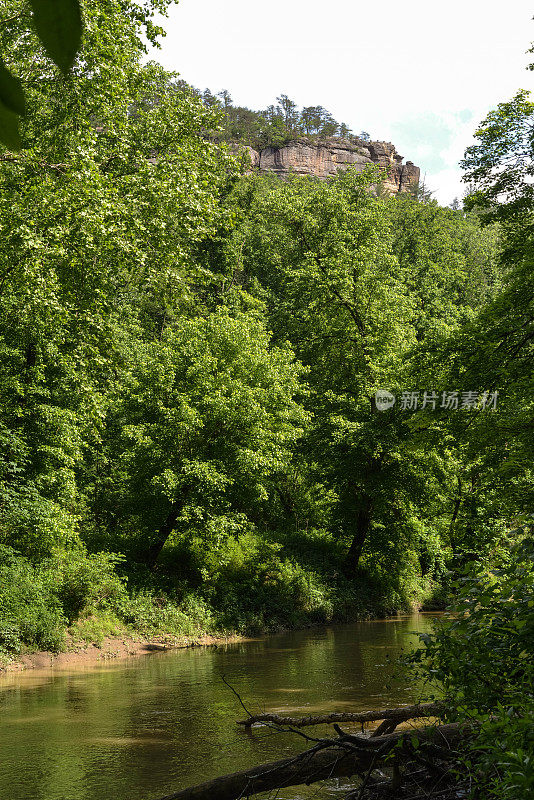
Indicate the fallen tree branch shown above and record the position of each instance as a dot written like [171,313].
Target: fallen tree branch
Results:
[396,715]
[354,755]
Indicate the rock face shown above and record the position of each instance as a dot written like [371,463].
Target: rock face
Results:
[323,160]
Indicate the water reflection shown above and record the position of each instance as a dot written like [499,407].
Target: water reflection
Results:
[141,728]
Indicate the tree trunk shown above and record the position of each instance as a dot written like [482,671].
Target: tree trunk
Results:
[363,523]
[396,715]
[165,530]
[286,501]
[31,354]
[353,755]
[456,509]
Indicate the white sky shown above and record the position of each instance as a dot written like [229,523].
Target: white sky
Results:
[418,73]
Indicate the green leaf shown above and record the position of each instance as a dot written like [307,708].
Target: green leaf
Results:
[11,94]
[9,128]
[59,25]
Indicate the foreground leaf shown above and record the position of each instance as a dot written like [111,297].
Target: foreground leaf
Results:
[11,94]
[59,25]
[9,128]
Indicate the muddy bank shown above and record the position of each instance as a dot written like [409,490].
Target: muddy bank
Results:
[112,647]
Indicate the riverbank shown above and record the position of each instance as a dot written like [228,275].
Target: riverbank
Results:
[125,645]
[110,648]
[79,602]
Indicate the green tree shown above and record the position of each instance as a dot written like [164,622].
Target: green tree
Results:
[482,655]
[321,254]
[207,428]
[226,98]
[103,219]
[289,111]
[494,350]
[498,166]
[448,262]
[363,287]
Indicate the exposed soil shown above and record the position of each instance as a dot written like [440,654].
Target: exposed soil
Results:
[112,647]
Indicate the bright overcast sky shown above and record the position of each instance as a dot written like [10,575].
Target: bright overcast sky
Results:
[418,73]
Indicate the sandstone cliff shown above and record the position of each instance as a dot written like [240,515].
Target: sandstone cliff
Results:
[323,159]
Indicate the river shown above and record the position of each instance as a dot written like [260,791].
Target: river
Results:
[140,728]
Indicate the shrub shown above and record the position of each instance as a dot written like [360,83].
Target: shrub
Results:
[482,657]
[30,612]
[95,627]
[34,525]
[86,581]
[150,613]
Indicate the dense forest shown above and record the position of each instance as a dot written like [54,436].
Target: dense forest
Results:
[190,437]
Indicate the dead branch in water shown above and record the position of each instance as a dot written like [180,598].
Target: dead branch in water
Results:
[330,758]
[391,715]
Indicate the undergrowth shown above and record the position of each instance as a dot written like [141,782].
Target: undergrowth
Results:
[246,585]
